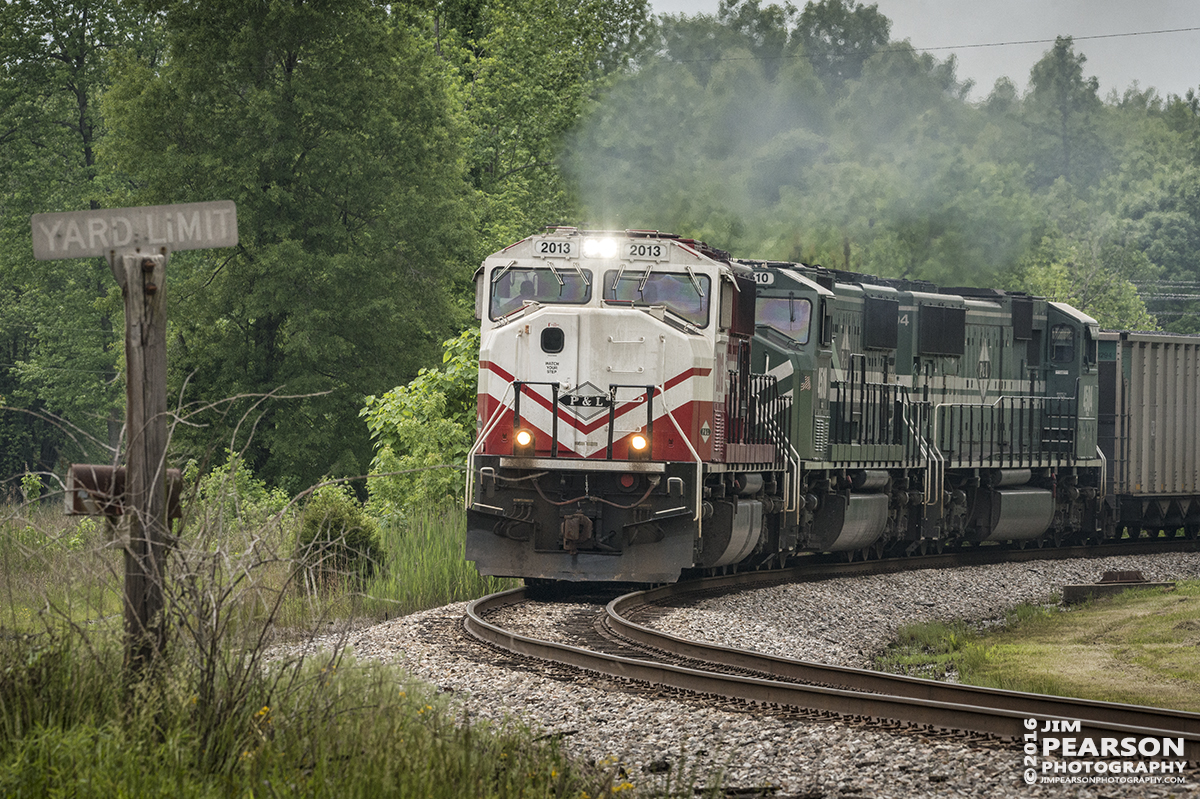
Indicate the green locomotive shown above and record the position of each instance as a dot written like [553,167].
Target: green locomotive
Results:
[925,417]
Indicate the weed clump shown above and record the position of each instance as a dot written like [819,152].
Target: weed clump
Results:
[337,541]
[934,650]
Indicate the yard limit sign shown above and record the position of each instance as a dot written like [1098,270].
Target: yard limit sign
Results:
[137,242]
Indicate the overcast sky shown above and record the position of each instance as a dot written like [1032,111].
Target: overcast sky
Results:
[1169,62]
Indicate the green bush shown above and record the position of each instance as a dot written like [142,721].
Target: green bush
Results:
[337,540]
[230,496]
[423,431]
[31,486]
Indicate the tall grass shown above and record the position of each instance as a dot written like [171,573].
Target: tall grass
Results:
[215,715]
[425,566]
[56,567]
[314,729]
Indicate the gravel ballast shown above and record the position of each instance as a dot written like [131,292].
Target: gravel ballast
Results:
[843,621]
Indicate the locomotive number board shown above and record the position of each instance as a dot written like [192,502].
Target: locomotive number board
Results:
[606,250]
[647,250]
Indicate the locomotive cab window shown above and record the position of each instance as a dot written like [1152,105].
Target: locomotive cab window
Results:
[1062,344]
[685,295]
[791,316]
[1090,348]
[514,287]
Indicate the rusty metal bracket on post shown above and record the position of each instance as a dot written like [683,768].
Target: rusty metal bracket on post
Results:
[96,490]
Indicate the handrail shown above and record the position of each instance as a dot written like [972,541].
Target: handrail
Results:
[520,384]
[469,494]
[650,390]
[699,466]
[1026,445]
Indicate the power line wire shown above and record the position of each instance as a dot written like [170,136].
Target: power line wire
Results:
[895,47]
[1052,41]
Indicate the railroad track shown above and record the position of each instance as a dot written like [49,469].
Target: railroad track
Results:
[619,647]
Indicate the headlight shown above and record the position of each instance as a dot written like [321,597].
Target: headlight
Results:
[639,447]
[605,249]
[523,443]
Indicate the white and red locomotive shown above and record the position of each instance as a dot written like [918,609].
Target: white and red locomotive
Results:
[614,384]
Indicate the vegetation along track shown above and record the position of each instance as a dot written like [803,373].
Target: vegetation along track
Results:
[620,647]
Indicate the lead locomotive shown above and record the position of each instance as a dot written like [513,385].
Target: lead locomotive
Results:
[649,407]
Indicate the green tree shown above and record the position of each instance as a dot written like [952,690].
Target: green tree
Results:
[1096,277]
[334,129]
[60,322]
[1063,109]
[1182,115]
[529,74]
[421,428]
[1165,225]
[766,31]
[839,36]
[753,130]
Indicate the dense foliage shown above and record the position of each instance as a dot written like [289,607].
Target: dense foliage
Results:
[376,151]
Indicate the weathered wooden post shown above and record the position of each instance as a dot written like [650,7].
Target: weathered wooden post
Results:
[137,243]
[142,277]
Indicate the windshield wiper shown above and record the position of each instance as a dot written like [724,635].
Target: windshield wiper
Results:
[620,272]
[557,276]
[582,274]
[673,318]
[645,277]
[500,272]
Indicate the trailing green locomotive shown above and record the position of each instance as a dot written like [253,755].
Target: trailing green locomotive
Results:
[650,407]
[925,417]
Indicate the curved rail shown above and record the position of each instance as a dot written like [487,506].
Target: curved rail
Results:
[854,693]
[1026,704]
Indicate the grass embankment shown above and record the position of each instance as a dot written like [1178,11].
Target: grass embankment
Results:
[71,729]
[1140,647]
[214,718]
[72,569]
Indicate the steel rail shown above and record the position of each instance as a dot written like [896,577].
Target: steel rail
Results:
[1027,704]
[853,693]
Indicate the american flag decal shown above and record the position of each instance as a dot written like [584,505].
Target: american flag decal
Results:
[806,384]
